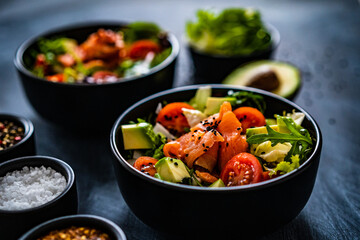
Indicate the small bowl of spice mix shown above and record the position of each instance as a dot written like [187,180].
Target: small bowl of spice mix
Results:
[84,227]
[16,137]
[34,189]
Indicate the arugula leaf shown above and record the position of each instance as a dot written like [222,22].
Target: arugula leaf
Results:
[299,138]
[249,99]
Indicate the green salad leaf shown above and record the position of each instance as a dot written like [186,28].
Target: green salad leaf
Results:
[141,30]
[158,141]
[233,31]
[285,167]
[248,99]
[299,138]
[160,57]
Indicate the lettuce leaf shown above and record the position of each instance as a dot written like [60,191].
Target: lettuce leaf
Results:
[285,167]
[233,31]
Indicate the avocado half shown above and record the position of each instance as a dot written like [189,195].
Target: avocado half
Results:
[280,78]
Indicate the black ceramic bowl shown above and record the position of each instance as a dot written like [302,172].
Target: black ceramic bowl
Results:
[15,222]
[191,210]
[99,223]
[210,68]
[26,146]
[90,105]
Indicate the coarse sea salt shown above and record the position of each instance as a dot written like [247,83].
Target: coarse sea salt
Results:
[30,187]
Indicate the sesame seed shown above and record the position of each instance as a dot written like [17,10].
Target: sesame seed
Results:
[205,150]
[227,144]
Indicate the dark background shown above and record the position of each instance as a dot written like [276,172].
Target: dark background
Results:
[320,37]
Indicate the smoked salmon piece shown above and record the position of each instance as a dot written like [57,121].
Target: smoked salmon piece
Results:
[209,159]
[206,177]
[213,120]
[234,143]
[194,144]
[214,140]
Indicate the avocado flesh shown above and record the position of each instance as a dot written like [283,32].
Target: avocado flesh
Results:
[213,104]
[270,121]
[288,76]
[259,130]
[171,170]
[135,137]
[217,183]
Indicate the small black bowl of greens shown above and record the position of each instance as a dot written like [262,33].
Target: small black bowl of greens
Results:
[221,41]
[84,75]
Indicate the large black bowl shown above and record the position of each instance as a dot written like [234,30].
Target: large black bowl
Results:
[190,210]
[26,146]
[211,68]
[90,105]
[13,223]
[82,220]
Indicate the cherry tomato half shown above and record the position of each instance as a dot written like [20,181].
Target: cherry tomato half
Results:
[249,117]
[141,48]
[242,169]
[146,165]
[172,117]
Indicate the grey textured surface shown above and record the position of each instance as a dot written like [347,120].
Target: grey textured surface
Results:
[320,37]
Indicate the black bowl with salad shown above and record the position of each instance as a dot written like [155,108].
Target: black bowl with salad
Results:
[211,154]
[86,74]
[221,40]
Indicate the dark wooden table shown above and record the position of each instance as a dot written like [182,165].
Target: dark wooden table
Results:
[320,37]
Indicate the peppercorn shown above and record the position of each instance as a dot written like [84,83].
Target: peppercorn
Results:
[10,134]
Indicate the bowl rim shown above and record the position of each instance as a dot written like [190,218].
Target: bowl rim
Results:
[28,130]
[25,160]
[113,226]
[20,66]
[275,42]
[250,187]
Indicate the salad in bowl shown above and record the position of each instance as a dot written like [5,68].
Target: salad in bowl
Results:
[208,154]
[104,56]
[212,141]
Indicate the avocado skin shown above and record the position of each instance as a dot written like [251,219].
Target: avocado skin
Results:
[236,77]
